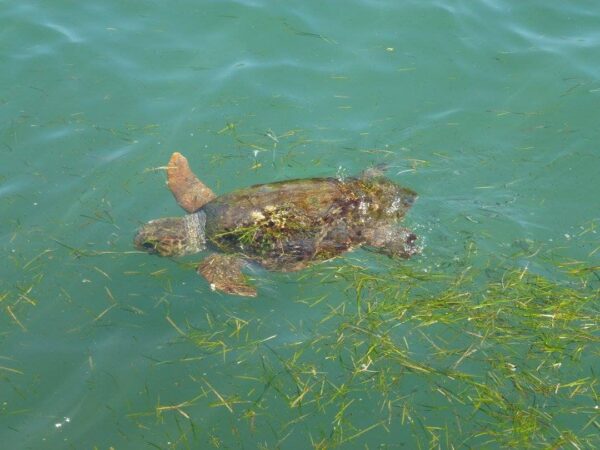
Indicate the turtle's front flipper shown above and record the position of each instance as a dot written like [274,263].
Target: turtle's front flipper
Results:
[392,240]
[189,191]
[224,273]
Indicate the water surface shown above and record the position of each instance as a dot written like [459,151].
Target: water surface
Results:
[488,109]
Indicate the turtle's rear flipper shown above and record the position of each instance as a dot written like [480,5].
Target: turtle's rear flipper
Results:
[189,191]
[393,241]
[375,171]
[224,273]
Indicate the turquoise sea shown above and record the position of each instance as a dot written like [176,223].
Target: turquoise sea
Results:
[489,338]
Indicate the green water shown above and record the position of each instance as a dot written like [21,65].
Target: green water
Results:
[489,109]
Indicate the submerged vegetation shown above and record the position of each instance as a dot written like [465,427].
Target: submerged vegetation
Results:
[463,355]
[500,358]
[513,358]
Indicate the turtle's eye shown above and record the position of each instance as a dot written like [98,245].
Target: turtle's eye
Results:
[148,245]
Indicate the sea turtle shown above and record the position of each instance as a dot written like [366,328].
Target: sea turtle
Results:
[282,226]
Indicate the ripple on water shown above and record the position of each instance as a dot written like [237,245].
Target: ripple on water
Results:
[12,187]
[65,31]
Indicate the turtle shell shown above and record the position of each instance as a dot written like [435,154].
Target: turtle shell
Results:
[286,224]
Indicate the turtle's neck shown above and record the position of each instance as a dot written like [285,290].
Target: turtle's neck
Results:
[194,226]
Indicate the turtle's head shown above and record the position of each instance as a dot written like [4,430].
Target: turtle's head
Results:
[172,236]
